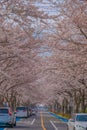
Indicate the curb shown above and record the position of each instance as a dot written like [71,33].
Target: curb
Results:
[59,117]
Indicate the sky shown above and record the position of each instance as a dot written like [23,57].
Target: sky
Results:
[47,7]
[45,52]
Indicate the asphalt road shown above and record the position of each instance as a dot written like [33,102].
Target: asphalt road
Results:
[42,121]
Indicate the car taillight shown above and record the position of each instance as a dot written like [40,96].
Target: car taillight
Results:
[9,113]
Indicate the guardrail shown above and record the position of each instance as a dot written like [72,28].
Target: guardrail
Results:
[59,117]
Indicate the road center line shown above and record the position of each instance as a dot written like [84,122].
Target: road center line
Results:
[53,125]
[42,123]
[33,121]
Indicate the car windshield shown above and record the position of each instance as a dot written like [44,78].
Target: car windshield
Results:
[81,118]
[21,108]
[4,111]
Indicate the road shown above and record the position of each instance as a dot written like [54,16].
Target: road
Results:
[42,121]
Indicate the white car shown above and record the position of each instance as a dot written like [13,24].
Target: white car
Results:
[78,122]
[22,111]
[7,117]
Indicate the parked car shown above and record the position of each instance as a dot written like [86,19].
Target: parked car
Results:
[33,111]
[22,111]
[7,117]
[78,122]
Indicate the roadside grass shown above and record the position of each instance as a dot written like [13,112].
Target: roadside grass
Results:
[86,110]
[67,116]
[64,115]
[59,116]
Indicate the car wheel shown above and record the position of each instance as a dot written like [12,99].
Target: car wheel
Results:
[12,125]
[67,127]
[70,128]
[74,128]
[15,123]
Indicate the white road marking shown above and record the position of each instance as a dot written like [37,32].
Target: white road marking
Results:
[53,125]
[57,121]
[33,121]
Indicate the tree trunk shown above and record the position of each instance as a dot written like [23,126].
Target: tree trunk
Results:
[83,101]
